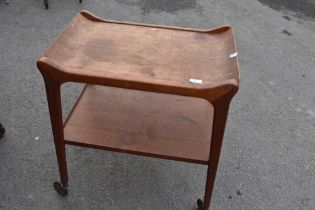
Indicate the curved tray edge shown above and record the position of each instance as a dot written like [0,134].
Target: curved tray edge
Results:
[88,15]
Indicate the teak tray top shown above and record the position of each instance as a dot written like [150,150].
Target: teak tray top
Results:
[152,58]
[152,90]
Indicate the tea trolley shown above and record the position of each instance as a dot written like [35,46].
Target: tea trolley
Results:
[150,90]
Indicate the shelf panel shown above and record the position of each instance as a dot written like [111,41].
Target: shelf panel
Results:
[142,123]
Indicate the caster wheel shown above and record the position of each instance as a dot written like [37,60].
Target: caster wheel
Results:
[60,189]
[46,6]
[2,131]
[200,204]
[80,1]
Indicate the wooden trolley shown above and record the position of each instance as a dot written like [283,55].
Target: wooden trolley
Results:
[151,90]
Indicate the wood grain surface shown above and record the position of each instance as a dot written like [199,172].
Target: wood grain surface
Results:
[143,57]
[145,123]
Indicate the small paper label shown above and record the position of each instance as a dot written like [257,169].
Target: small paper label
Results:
[195,81]
[233,55]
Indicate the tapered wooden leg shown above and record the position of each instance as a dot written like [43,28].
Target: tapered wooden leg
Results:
[55,110]
[219,121]
[46,4]
[2,131]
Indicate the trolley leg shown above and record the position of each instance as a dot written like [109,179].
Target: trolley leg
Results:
[212,170]
[2,131]
[219,121]
[46,4]
[55,110]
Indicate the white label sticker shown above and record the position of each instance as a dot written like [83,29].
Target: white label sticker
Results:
[233,55]
[195,81]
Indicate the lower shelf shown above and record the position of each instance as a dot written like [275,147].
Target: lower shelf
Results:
[142,123]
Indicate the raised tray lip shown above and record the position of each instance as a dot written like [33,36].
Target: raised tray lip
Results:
[47,65]
[88,15]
